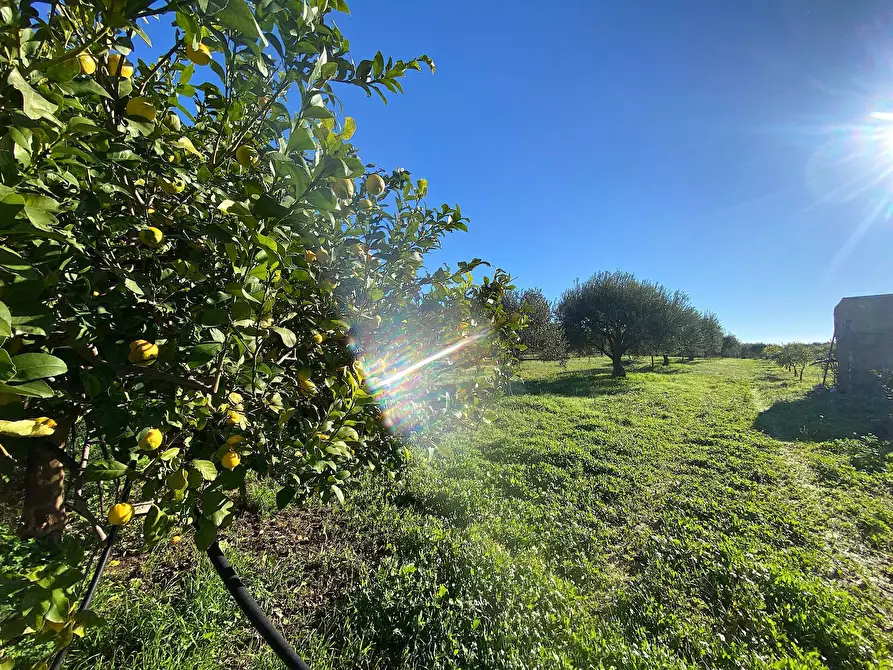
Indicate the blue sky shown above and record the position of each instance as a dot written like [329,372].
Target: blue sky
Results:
[716,147]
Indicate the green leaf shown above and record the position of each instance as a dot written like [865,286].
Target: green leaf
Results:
[289,339]
[317,112]
[168,454]
[237,16]
[133,287]
[59,607]
[64,71]
[186,143]
[33,324]
[284,496]
[103,470]
[5,318]
[37,366]
[203,354]
[216,507]
[350,127]
[35,389]
[300,139]
[154,525]
[323,199]
[83,87]
[34,105]
[7,367]
[338,493]
[205,468]
[205,535]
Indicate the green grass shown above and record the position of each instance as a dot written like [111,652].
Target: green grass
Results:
[711,514]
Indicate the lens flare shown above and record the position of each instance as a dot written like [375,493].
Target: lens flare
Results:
[417,370]
[852,172]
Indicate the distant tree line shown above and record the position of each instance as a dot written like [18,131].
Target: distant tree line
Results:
[616,314]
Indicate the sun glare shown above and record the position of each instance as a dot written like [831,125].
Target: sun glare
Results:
[410,366]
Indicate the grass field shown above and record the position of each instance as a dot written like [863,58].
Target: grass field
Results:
[709,514]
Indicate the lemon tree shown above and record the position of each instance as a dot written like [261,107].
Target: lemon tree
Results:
[188,246]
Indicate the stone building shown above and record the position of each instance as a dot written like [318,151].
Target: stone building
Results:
[864,329]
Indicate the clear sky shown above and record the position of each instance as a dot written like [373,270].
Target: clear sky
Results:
[722,148]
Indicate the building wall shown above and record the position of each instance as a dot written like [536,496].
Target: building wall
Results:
[864,329]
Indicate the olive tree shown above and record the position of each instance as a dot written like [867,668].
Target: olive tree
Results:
[189,246]
[614,312]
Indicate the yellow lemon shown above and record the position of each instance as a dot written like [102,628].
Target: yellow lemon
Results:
[233,440]
[141,108]
[319,338]
[234,418]
[172,186]
[117,66]
[120,514]
[230,460]
[151,236]
[87,63]
[344,188]
[141,351]
[44,421]
[151,440]
[309,256]
[247,156]
[374,185]
[200,56]
[54,626]
[176,539]
[365,204]
[308,388]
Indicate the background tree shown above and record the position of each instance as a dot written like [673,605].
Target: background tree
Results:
[711,335]
[189,246]
[672,329]
[542,335]
[731,347]
[752,349]
[691,334]
[614,312]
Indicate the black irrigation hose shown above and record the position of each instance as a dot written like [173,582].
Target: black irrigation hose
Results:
[250,608]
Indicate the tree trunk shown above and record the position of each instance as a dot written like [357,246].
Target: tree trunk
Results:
[42,513]
[666,360]
[801,372]
[617,366]
[652,361]
[690,357]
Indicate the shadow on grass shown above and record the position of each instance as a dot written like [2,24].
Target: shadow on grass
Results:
[577,384]
[824,415]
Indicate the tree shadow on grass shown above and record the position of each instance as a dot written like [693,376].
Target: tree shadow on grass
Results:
[577,384]
[824,415]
